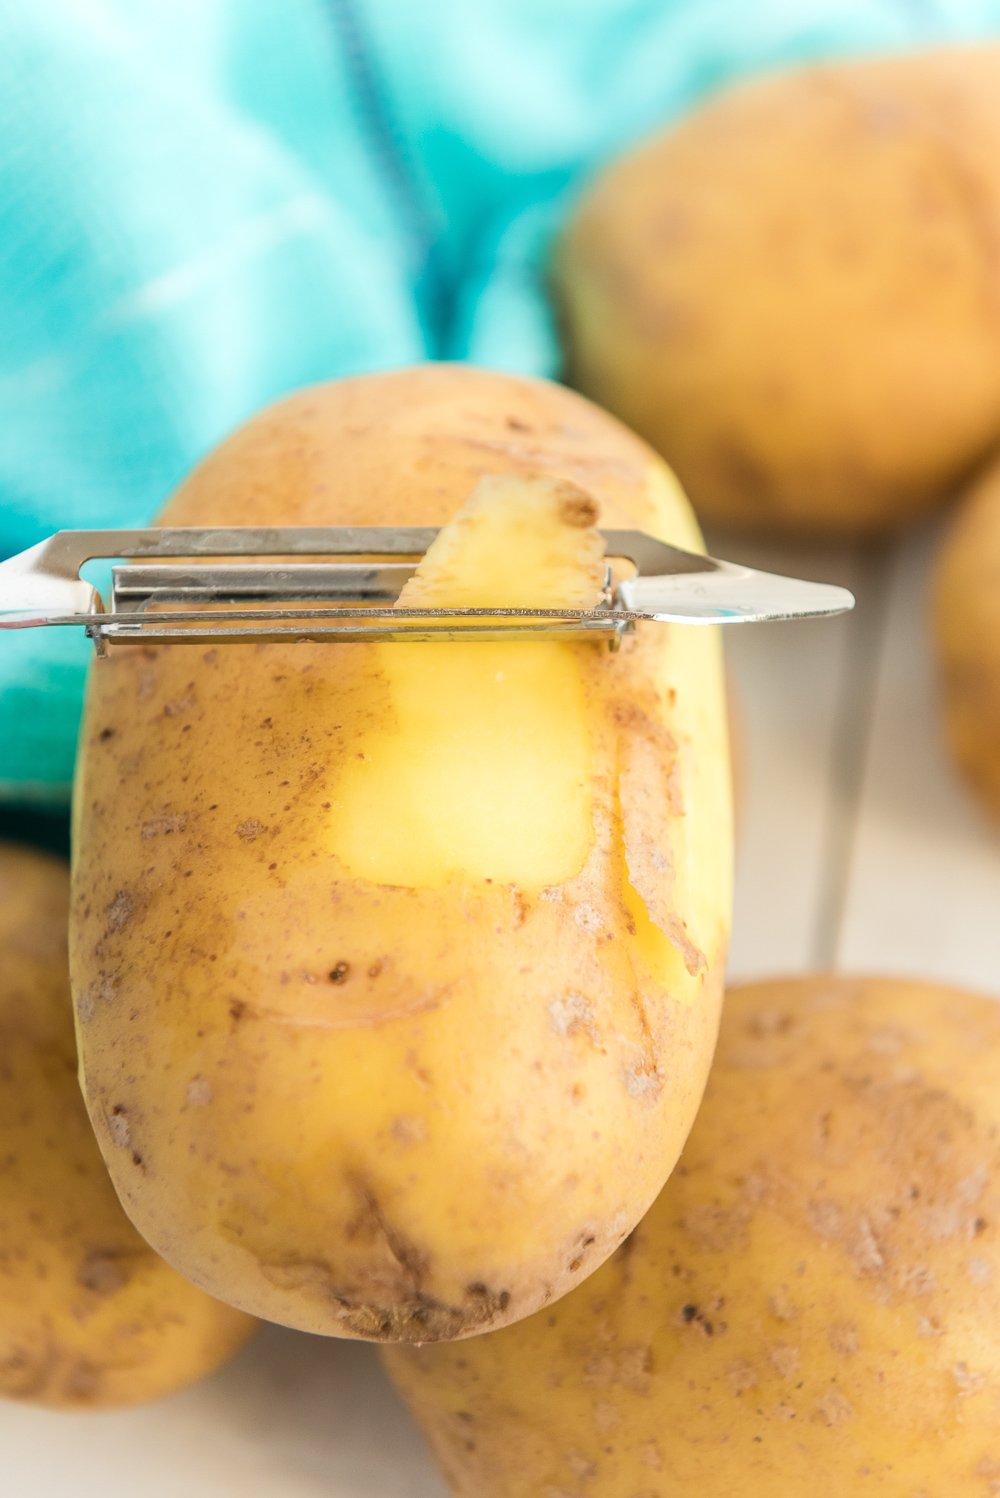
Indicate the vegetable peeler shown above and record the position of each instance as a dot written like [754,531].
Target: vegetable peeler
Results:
[193,599]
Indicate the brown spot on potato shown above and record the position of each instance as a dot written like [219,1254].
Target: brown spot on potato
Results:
[581,1466]
[199,1092]
[182,704]
[106,1270]
[629,1367]
[522,908]
[573,1014]
[917,1279]
[102,991]
[588,918]
[643,1081]
[784,1359]
[249,829]
[119,1127]
[742,1377]
[547,458]
[834,1408]
[716,1228]
[413,1316]
[408,1129]
[706,1316]
[577,508]
[825,1218]
[162,826]
[120,911]
[843,1337]
[81,1383]
[651,1456]
[781,1305]
[864,1247]
[24,1376]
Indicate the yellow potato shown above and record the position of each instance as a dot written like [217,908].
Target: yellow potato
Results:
[811,1307]
[966,623]
[795,294]
[89,1316]
[397,967]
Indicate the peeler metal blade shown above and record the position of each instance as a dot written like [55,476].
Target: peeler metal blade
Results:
[176,588]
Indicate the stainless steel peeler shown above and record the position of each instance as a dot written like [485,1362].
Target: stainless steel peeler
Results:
[205,601]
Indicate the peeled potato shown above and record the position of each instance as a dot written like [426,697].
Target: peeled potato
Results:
[518,542]
[90,1317]
[967,637]
[794,293]
[811,1306]
[397,967]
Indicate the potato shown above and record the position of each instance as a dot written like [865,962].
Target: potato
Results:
[397,967]
[794,293]
[811,1307]
[966,625]
[89,1316]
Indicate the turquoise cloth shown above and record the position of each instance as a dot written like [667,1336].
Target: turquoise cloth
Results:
[206,203]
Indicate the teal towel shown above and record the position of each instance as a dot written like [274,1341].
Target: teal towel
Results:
[206,203]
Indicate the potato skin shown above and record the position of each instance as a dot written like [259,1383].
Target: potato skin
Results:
[966,627]
[811,1306]
[402,1105]
[90,1318]
[794,293]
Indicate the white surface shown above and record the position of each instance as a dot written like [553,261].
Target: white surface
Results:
[797,688]
[923,884]
[292,1417]
[858,849]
